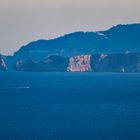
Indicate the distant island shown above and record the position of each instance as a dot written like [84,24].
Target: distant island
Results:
[113,50]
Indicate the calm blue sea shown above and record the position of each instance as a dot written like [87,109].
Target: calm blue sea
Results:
[69,106]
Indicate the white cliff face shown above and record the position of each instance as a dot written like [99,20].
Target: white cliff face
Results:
[2,64]
[79,63]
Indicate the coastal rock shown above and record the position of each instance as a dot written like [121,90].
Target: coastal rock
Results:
[79,63]
[50,64]
[3,66]
[30,65]
[129,62]
[19,66]
[53,63]
[116,62]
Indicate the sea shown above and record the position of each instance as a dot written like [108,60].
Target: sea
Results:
[69,106]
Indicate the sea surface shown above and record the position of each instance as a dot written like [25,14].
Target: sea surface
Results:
[69,106]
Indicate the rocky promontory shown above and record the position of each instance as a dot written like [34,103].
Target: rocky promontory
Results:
[3,66]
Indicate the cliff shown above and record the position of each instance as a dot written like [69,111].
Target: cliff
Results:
[80,63]
[129,62]
[3,66]
[50,64]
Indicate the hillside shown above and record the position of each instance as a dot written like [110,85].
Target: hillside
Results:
[118,39]
[114,50]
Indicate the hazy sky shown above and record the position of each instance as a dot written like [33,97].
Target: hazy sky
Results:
[22,21]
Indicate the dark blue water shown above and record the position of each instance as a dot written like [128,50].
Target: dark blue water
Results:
[64,106]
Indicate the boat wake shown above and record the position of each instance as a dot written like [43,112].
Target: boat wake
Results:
[16,87]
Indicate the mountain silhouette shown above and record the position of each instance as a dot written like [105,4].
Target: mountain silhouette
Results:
[118,39]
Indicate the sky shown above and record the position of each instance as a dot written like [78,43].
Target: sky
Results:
[23,21]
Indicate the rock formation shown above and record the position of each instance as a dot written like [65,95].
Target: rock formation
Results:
[79,63]
[3,66]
